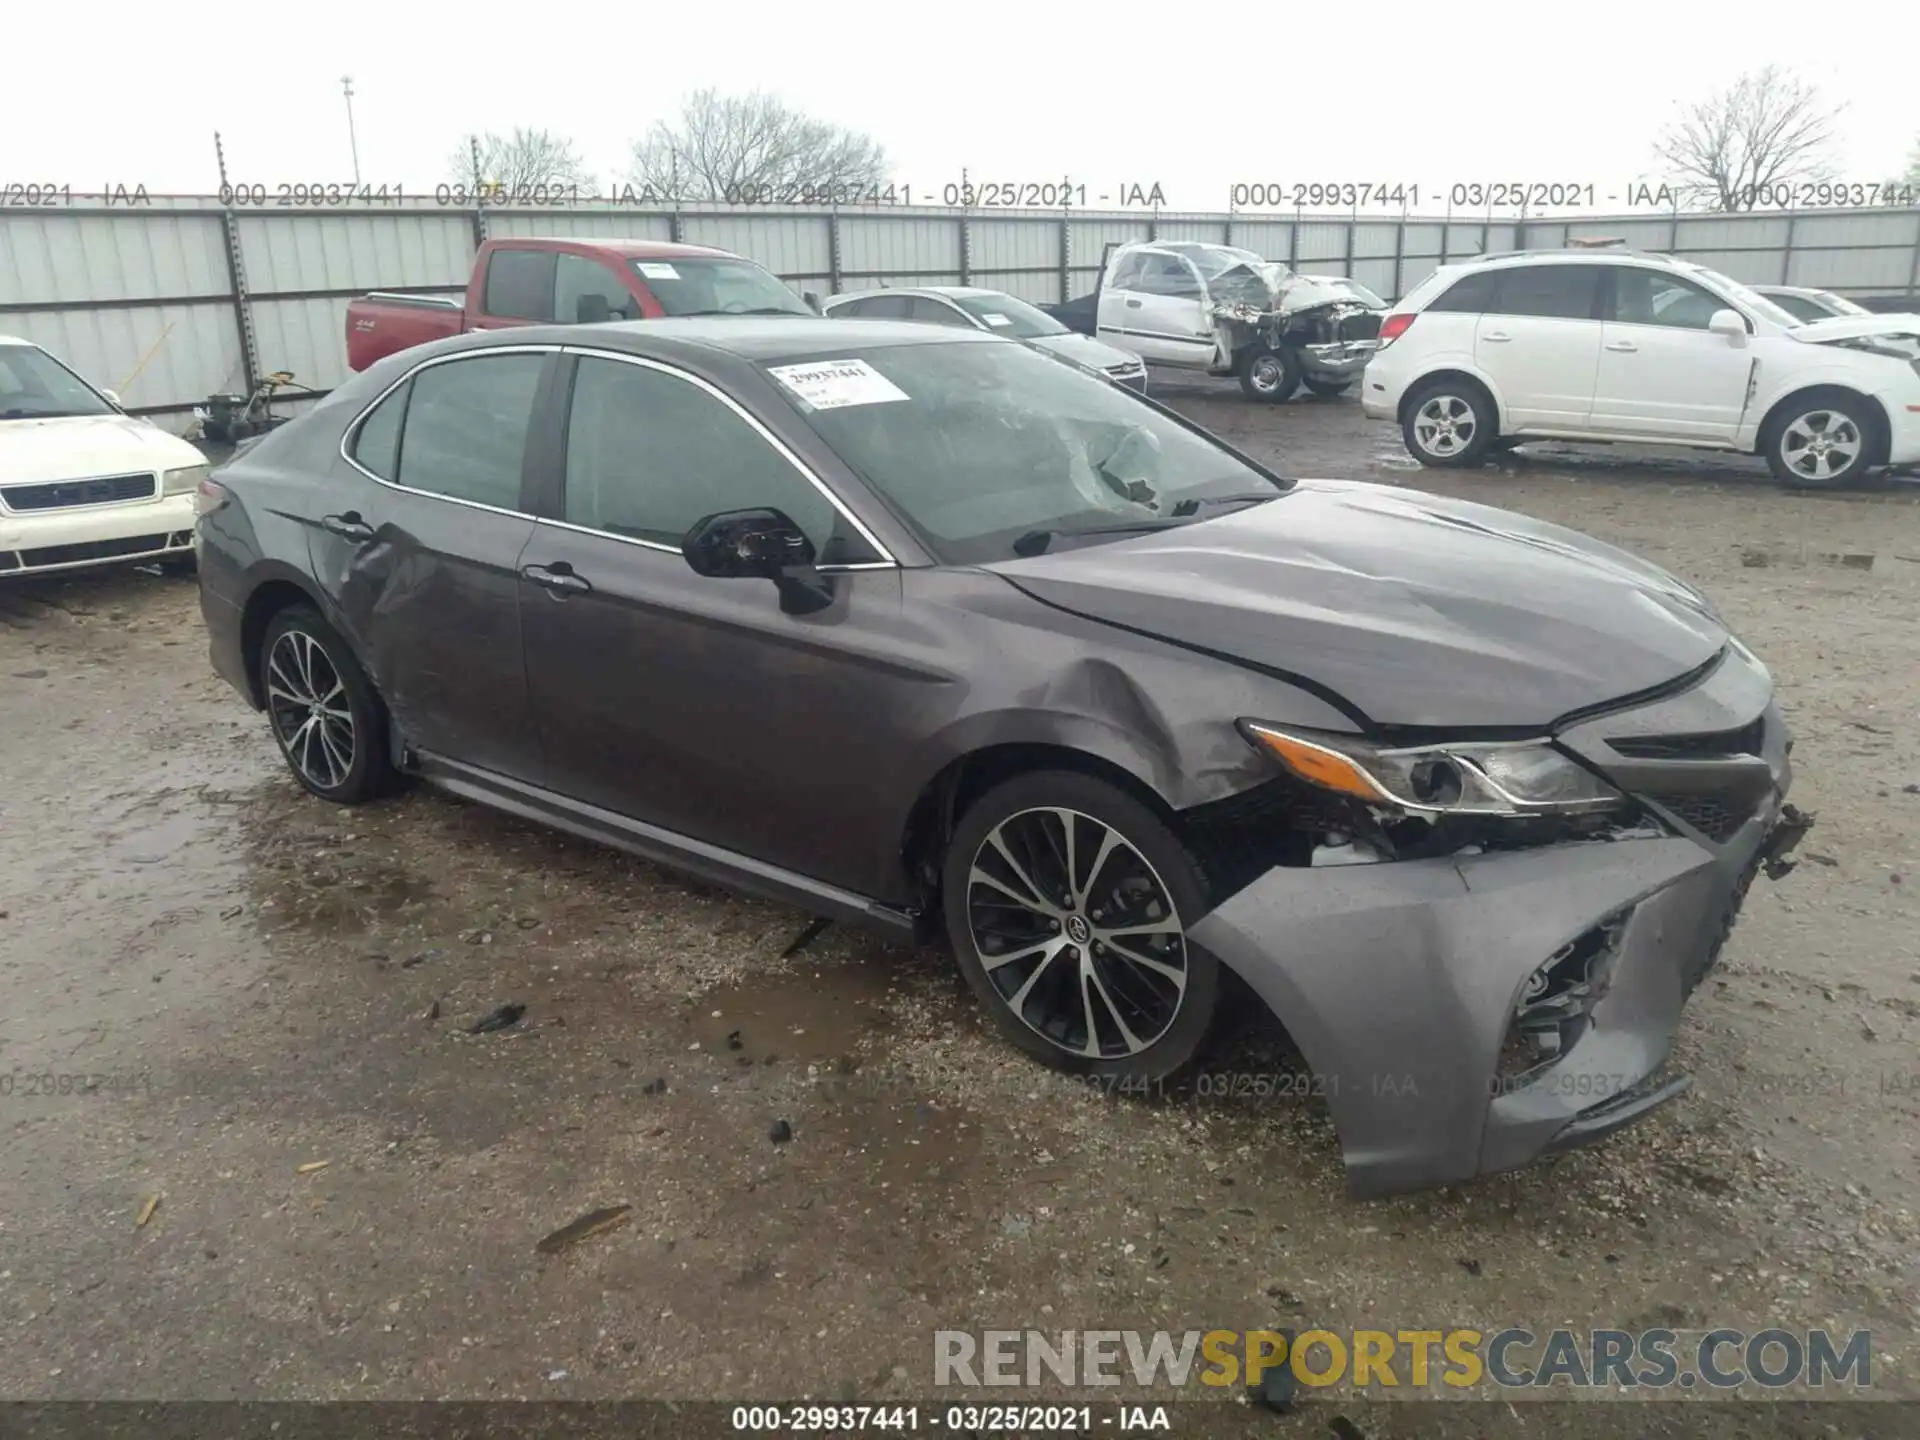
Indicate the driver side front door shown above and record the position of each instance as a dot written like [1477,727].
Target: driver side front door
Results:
[1166,316]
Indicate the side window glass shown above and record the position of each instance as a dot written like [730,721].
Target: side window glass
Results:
[649,454]
[887,307]
[466,428]
[585,291]
[520,284]
[1469,295]
[1648,297]
[376,445]
[1127,274]
[1168,275]
[1553,292]
[938,312]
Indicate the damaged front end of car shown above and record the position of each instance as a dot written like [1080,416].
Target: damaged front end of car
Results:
[1482,948]
[1328,322]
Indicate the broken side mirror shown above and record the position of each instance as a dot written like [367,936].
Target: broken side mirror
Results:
[759,544]
[1729,324]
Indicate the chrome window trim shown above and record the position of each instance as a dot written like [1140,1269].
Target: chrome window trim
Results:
[352,432]
[887,560]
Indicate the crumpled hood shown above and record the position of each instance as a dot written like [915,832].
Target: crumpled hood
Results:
[1245,291]
[78,447]
[1416,610]
[1857,327]
[1085,350]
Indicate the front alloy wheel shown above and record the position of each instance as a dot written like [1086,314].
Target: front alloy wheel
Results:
[1821,447]
[1068,923]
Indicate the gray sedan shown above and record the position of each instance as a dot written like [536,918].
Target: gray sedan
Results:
[917,628]
[998,313]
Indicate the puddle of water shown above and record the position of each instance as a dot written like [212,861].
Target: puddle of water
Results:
[808,1014]
[904,1143]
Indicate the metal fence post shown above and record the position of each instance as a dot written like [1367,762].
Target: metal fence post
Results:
[479,226]
[1353,227]
[676,227]
[1913,270]
[1293,241]
[1066,256]
[1399,251]
[1786,251]
[966,248]
[242,311]
[833,252]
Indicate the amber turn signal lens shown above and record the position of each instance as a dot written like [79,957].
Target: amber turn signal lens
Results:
[1318,765]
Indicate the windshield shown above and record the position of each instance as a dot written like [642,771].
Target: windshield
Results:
[1005,315]
[35,386]
[979,446]
[706,286]
[1752,299]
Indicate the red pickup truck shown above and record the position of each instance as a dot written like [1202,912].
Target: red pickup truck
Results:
[540,282]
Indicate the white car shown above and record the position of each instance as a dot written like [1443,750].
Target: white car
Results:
[998,313]
[1624,346]
[1805,304]
[83,483]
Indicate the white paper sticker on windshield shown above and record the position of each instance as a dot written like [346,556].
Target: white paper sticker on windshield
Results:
[997,319]
[829,384]
[658,270]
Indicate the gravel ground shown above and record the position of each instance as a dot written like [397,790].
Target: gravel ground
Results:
[271,996]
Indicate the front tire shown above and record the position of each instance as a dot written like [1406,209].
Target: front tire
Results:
[1268,374]
[1449,423]
[325,716]
[1067,904]
[1820,443]
[1328,389]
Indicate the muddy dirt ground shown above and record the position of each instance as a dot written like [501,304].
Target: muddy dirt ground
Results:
[253,1006]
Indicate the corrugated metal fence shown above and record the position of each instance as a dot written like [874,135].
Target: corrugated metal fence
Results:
[171,301]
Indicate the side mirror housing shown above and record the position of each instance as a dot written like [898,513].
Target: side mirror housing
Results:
[112,397]
[812,298]
[759,544]
[1729,324]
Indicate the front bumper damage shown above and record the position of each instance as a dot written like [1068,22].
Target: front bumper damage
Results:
[1334,334]
[1472,1012]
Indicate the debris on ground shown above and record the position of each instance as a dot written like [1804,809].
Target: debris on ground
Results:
[1471,1266]
[594,1222]
[1275,1390]
[781,1133]
[147,1207]
[421,958]
[806,937]
[504,1018]
[311,1167]
[655,1086]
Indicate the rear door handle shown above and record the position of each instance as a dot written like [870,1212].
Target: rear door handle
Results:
[348,527]
[1133,304]
[1498,337]
[1622,345]
[557,577]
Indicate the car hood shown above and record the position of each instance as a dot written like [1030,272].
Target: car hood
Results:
[1415,610]
[1085,350]
[76,447]
[1856,327]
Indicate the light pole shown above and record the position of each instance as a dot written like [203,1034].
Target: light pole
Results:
[346,88]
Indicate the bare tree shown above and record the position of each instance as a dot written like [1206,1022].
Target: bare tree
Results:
[1912,180]
[752,147]
[517,163]
[1741,146]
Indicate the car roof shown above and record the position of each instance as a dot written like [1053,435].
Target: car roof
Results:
[626,249]
[1574,255]
[1809,291]
[746,337]
[950,292]
[14,340]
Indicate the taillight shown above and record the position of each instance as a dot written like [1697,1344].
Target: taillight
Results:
[210,497]
[1393,327]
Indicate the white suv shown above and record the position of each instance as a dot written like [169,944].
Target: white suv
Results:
[1623,346]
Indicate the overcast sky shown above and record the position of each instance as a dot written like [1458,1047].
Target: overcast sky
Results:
[1195,97]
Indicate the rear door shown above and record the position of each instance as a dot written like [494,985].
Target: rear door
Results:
[695,704]
[418,551]
[1663,374]
[1540,344]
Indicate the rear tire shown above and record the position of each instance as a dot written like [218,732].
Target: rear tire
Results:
[1328,389]
[1821,442]
[1449,423]
[1268,374]
[328,721]
[1067,904]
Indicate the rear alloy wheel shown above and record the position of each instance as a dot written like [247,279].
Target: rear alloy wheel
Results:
[1269,375]
[1820,445]
[328,722]
[1067,903]
[1328,389]
[1448,424]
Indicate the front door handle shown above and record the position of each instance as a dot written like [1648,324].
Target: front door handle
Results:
[1625,346]
[348,527]
[557,578]
[1133,304]
[1498,337]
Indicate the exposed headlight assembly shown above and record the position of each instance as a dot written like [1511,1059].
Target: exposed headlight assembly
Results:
[1528,777]
[184,481]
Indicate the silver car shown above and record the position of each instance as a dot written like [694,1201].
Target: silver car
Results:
[997,313]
